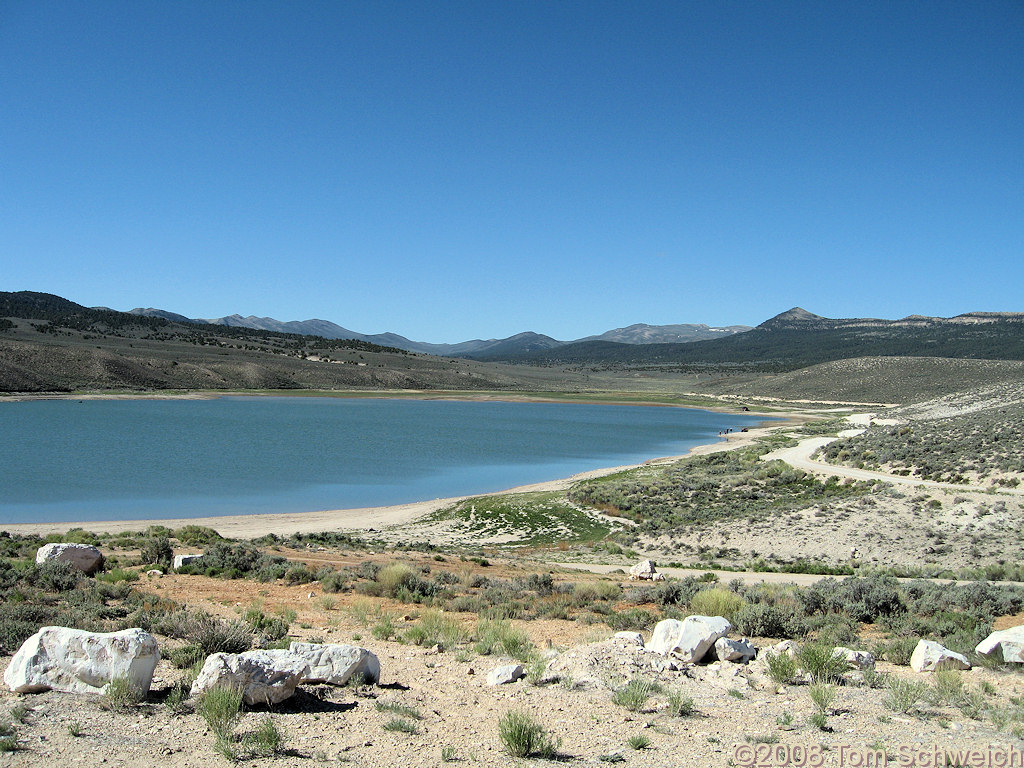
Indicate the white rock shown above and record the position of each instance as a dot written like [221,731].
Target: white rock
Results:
[644,571]
[633,637]
[689,639]
[263,677]
[658,577]
[337,664]
[929,656]
[76,661]
[789,647]
[84,557]
[1009,642]
[155,573]
[508,673]
[861,660]
[740,651]
[180,560]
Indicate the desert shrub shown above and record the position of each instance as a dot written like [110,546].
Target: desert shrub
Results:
[818,661]
[156,550]
[121,695]
[863,599]
[522,736]
[335,581]
[393,577]
[633,619]
[196,535]
[221,708]
[211,634]
[716,602]
[781,667]
[903,695]
[298,574]
[54,576]
[897,650]
[269,628]
[634,695]
[834,629]
[676,592]
[763,620]
[266,740]
[187,656]
[494,636]
[434,628]
[587,592]
[117,575]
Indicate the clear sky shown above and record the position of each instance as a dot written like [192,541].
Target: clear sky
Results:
[455,170]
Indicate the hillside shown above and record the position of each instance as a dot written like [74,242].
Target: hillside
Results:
[51,344]
[796,339]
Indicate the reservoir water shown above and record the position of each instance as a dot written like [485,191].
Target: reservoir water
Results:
[67,460]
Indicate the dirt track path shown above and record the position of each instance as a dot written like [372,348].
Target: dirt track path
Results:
[800,457]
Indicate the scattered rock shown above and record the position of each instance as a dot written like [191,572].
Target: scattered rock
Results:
[263,677]
[84,557]
[740,651]
[337,664]
[789,647]
[76,661]
[929,656]
[180,560]
[689,639]
[633,637]
[643,571]
[1009,642]
[508,673]
[861,660]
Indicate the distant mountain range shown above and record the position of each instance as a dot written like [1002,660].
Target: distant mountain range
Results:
[520,344]
[797,338]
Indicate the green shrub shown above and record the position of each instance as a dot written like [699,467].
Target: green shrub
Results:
[266,741]
[156,550]
[903,695]
[781,667]
[493,636]
[186,656]
[401,725]
[764,620]
[221,708]
[818,661]
[522,736]
[435,628]
[716,602]
[634,695]
[121,695]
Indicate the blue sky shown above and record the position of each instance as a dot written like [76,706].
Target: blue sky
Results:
[453,170]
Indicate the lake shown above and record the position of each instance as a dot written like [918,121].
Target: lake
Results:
[67,460]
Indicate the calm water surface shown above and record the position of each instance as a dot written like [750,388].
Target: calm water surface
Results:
[63,460]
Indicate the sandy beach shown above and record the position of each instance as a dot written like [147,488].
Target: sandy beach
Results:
[368,518]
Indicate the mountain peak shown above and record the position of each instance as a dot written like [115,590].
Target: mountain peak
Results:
[791,317]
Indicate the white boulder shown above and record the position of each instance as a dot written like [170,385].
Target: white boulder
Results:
[740,651]
[929,656]
[503,675]
[861,660]
[180,560]
[76,661]
[84,557]
[263,677]
[789,647]
[643,571]
[337,664]
[690,639]
[1008,642]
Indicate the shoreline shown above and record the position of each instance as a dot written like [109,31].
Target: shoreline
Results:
[375,518]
